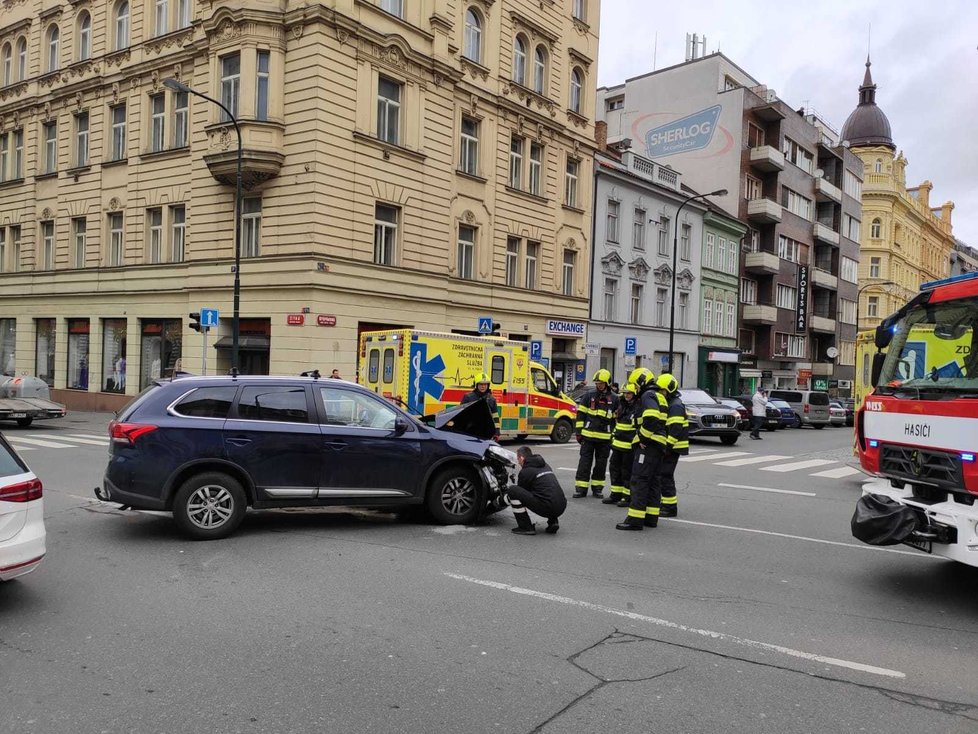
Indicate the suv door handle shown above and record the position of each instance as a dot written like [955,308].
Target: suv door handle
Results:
[238,441]
[337,444]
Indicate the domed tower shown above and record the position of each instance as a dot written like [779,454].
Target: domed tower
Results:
[867,126]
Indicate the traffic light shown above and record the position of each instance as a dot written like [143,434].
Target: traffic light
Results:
[195,322]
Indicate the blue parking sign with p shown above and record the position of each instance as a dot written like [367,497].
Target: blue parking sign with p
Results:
[536,350]
[631,345]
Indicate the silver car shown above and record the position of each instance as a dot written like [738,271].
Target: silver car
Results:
[709,417]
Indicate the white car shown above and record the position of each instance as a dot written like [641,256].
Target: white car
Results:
[22,535]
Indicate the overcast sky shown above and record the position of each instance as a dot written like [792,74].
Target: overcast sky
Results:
[925,65]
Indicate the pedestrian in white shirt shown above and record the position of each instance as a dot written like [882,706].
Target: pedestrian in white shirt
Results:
[758,412]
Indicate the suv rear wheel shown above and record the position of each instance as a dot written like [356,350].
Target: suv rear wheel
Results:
[454,496]
[209,506]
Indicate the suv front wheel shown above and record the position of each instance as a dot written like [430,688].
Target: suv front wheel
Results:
[454,496]
[209,506]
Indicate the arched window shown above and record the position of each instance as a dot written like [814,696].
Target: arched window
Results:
[21,59]
[519,61]
[472,45]
[576,87]
[876,229]
[539,70]
[84,36]
[122,25]
[879,165]
[54,45]
[7,56]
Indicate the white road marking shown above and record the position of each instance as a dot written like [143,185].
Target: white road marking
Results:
[843,471]
[698,450]
[86,440]
[766,489]
[794,466]
[566,468]
[765,646]
[858,546]
[38,442]
[752,460]
[710,457]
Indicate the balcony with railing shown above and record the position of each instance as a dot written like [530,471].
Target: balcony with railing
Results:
[823,278]
[827,191]
[764,211]
[825,233]
[822,321]
[757,313]
[762,262]
[767,158]
[651,171]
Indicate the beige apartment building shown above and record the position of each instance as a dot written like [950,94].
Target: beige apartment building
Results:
[414,163]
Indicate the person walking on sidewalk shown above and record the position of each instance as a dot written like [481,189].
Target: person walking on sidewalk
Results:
[595,422]
[677,444]
[622,445]
[758,413]
[537,490]
[643,510]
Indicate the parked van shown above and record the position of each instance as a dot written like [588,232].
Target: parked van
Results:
[811,406]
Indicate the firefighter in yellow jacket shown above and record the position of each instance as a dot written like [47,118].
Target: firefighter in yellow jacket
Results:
[622,443]
[643,509]
[677,444]
[595,423]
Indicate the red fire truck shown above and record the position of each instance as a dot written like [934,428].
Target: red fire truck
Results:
[917,430]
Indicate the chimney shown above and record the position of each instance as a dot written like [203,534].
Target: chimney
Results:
[601,135]
[924,193]
[946,209]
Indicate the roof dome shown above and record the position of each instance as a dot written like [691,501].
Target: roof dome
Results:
[867,125]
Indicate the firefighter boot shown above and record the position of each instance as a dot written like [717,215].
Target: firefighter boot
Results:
[651,520]
[634,521]
[612,499]
[523,524]
[669,510]
[625,501]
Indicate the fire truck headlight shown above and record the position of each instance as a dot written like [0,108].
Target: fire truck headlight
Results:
[967,457]
[873,443]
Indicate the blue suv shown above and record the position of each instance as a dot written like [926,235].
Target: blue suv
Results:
[207,448]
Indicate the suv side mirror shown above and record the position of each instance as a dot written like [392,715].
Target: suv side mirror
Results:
[877,368]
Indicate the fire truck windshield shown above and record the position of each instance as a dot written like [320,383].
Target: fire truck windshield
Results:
[934,349]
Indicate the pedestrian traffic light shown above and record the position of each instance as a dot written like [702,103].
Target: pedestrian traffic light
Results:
[195,322]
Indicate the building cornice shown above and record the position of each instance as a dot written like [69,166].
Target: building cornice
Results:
[14,28]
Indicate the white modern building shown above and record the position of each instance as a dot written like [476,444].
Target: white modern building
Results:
[635,214]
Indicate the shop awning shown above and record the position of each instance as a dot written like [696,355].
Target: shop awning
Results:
[565,357]
[245,343]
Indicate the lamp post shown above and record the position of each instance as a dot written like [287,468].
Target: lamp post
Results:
[675,252]
[859,293]
[178,86]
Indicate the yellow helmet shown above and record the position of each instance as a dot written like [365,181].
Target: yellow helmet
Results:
[630,387]
[640,377]
[667,383]
[602,376]
[482,377]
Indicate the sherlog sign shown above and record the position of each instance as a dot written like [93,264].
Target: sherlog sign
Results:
[692,132]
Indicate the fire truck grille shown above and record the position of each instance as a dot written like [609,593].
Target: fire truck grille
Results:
[935,467]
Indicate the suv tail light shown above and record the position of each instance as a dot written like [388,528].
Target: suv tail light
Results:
[807,408]
[127,433]
[22,491]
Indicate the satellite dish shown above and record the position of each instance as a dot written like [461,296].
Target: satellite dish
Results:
[832,352]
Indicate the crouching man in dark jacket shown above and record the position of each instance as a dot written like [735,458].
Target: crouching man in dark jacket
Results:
[537,490]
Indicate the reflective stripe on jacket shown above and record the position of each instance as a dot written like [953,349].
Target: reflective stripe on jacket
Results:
[651,418]
[677,426]
[596,415]
[625,432]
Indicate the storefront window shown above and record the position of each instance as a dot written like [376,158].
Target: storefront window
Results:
[77,354]
[114,355]
[8,345]
[161,343]
[44,350]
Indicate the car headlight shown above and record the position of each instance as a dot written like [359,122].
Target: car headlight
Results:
[503,455]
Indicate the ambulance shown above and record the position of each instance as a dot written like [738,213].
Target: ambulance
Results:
[427,372]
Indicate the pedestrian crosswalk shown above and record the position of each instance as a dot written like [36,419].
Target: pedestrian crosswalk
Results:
[777,463]
[56,440]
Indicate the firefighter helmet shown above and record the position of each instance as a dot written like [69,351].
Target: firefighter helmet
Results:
[640,377]
[602,375]
[630,388]
[667,383]
[482,378]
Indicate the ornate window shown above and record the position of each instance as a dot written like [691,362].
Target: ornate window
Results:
[54,48]
[519,61]
[576,86]
[84,35]
[122,25]
[540,70]
[472,42]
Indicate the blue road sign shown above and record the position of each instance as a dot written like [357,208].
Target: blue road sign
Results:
[485,324]
[536,350]
[209,317]
[631,345]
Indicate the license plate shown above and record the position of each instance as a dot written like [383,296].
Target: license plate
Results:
[18,415]
[927,546]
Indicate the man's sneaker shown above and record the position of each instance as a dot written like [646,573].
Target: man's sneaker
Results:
[553,526]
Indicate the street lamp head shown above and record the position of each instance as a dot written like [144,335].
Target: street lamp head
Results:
[718,192]
[175,85]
